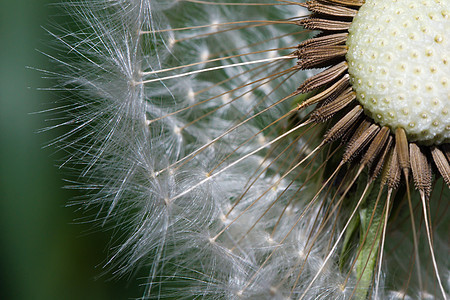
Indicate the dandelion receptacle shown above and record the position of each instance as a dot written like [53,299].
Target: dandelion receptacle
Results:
[265,149]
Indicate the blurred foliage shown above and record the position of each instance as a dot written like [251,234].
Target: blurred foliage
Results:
[43,255]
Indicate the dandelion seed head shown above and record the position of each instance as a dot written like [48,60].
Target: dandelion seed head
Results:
[230,183]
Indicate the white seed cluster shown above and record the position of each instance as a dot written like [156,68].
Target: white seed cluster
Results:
[399,62]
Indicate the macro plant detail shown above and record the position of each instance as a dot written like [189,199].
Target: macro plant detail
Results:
[266,149]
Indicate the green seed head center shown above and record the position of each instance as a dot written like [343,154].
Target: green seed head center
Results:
[399,63]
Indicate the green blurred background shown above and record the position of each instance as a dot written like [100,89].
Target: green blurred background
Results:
[43,254]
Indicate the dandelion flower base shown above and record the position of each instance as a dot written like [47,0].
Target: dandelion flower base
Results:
[399,62]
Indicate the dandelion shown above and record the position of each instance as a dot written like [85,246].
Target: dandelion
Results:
[265,149]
